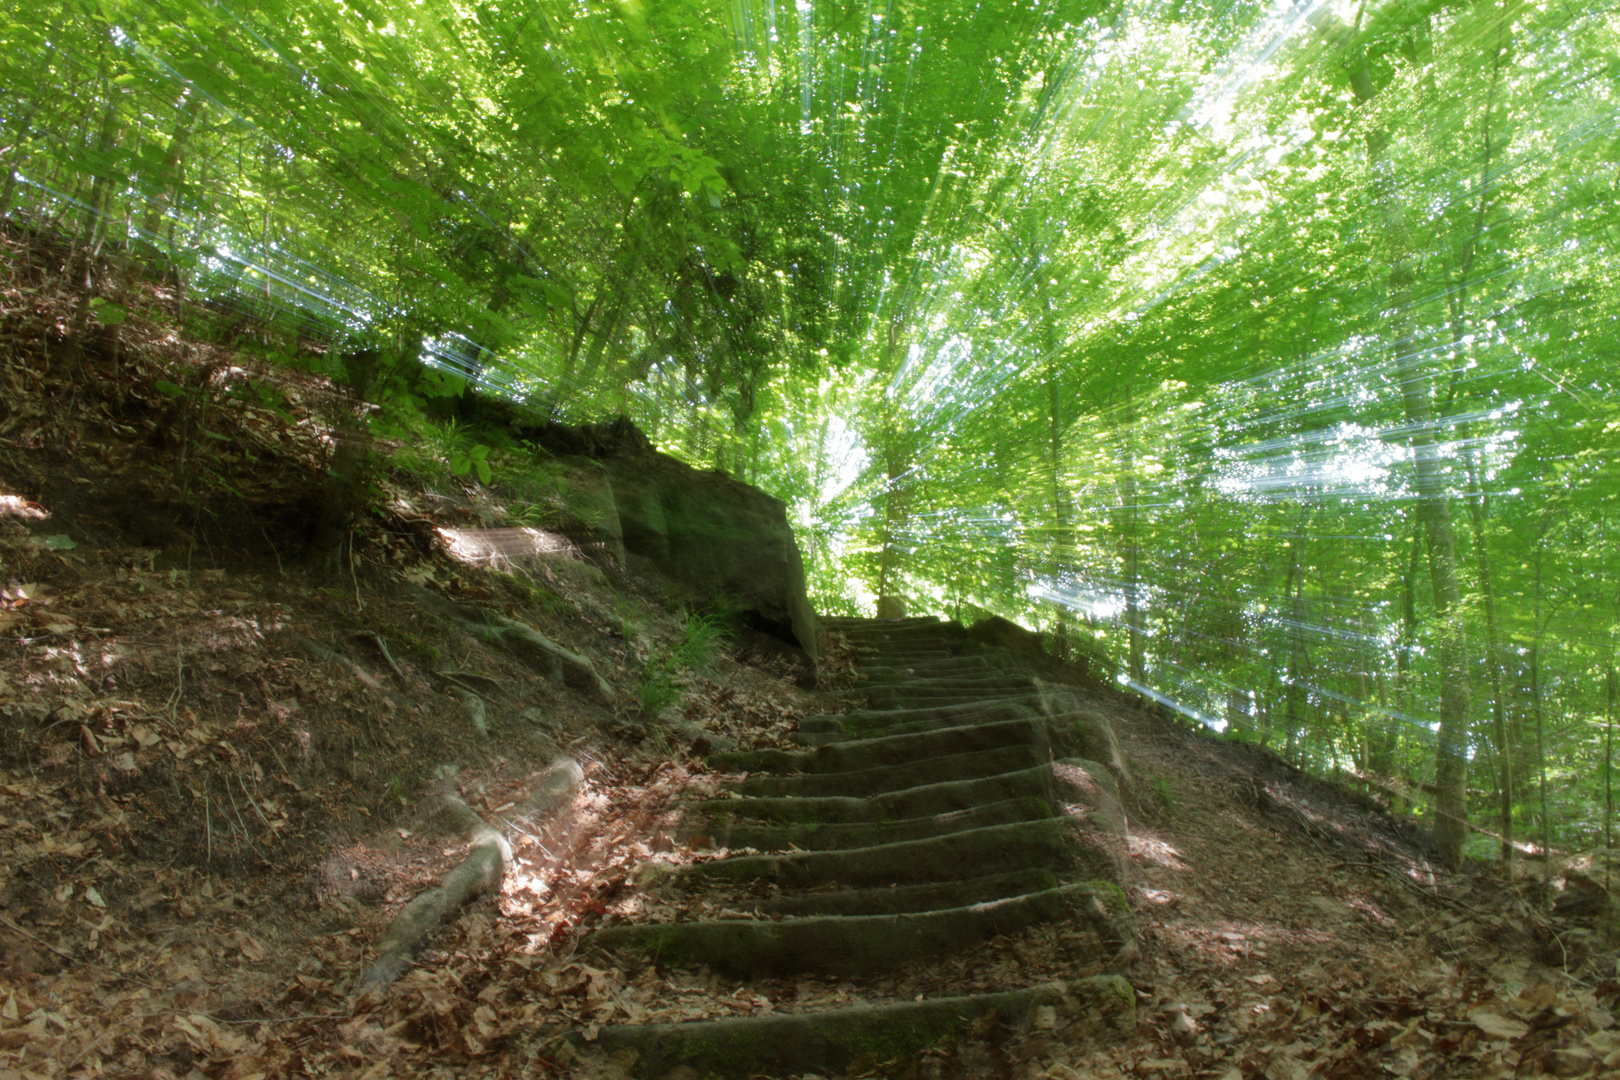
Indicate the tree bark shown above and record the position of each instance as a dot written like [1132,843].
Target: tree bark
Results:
[1433,504]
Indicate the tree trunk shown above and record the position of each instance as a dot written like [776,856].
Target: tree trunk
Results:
[1434,510]
[172,178]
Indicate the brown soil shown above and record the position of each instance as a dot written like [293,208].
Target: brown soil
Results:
[206,823]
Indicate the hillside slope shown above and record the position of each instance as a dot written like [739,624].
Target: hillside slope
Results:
[224,776]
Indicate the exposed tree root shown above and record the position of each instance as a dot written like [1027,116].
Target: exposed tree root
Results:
[558,663]
[481,871]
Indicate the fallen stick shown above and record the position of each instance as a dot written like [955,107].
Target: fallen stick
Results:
[481,871]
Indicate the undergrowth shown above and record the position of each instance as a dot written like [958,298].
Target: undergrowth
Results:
[702,634]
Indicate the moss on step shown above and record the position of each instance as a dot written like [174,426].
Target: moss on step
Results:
[904,898]
[722,829]
[1102,1006]
[1054,844]
[887,750]
[898,777]
[852,946]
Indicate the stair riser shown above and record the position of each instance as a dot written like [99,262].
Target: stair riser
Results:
[889,778]
[848,946]
[792,1044]
[727,832]
[1052,845]
[894,750]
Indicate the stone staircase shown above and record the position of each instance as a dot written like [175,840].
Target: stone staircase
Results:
[968,802]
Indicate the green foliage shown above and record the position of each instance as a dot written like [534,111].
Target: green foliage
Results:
[701,635]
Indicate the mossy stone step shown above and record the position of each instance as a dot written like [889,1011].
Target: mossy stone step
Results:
[885,778]
[971,713]
[890,750]
[1054,844]
[727,831]
[848,946]
[956,666]
[881,696]
[900,898]
[968,664]
[921,801]
[1102,1007]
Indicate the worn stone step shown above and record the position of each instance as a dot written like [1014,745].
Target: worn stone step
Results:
[863,721]
[900,657]
[881,696]
[877,722]
[1101,1007]
[921,801]
[901,898]
[967,665]
[885,778]
[859,624]
[1076,732]
[891,750]
[729,831]
[846,946]
[990,687]
[1053,844]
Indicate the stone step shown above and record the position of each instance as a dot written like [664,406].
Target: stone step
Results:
[890,750]
[882,696]
[1053,844]
[863,720]
[902,898]
[956,665]
[724,830]
[886,778]
[850,946]
[887,658]
[945,797]
[991,684]
[826,1042]
[861,623]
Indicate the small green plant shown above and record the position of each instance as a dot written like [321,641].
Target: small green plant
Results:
[1166,798]
[476,460]
[656,688]
[701,636]
[632,621]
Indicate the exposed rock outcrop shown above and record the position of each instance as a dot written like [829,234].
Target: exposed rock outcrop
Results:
[726,541]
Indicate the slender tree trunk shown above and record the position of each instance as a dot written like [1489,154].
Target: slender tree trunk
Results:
[1058,542]
[1612,685]
[1434,508]
[1137,659]
[1298,659]
[101,183]
[15,159]
[172,178]
[1537,712]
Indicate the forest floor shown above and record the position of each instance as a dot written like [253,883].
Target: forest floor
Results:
[206,822]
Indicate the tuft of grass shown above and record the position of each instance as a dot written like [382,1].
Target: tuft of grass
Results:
[656,689]
[701,636]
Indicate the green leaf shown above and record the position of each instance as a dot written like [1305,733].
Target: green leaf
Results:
[60,542]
